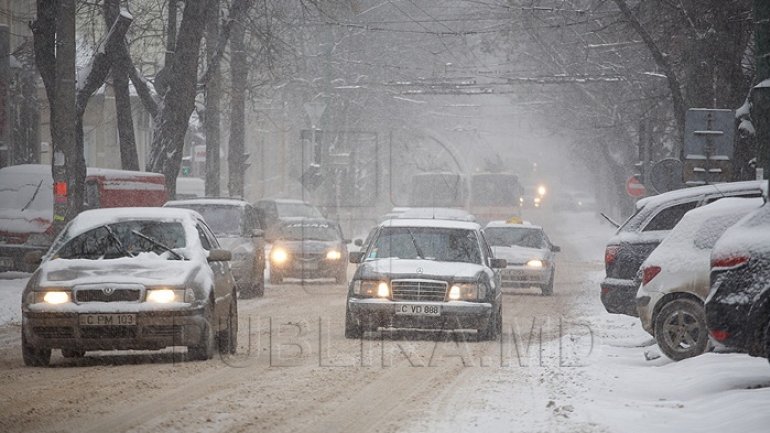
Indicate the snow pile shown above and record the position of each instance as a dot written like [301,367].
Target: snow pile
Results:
[11,286]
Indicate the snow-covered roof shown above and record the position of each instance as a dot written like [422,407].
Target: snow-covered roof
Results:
[436,212]
[206,201]
[425,222]
[750,235]
[285,200]
[693,237]
[501,223]
[724,188]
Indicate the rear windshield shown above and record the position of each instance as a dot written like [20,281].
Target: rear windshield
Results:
[223,220]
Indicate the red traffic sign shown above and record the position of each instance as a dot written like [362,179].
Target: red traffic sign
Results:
[635,188]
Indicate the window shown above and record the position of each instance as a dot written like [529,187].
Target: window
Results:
[204,240]
[667,218]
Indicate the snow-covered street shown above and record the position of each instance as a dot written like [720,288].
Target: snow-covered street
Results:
[563,364]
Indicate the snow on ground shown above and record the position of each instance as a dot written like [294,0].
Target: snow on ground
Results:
[11,285]
[611,386]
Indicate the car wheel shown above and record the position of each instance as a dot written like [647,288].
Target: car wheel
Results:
[352,329]
[275,278]
[73,353]
[228,339]
[342,276]
[547,289]
[680,329]
[493,328]
[34,357]
[205,349]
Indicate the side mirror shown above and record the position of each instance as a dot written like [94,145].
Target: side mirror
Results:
[33,258]
[257,233]
[356,257]
[498,263]
[220,256]
[358,242]
[555,248]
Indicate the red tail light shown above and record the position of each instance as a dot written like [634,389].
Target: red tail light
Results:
[719,335]
[649,273]
[610,254]
[729,262]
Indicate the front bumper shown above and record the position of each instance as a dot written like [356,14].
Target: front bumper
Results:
[455,315]
[619,296]
[153,330]
[309,269]
[524,276]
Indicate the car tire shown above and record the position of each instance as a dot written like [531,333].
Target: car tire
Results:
[342,276]
[493,328]
[73,353]
[228,339]
[205,349]
[352,329]
[275,278]
[547,289]
[680,329]
[34,357]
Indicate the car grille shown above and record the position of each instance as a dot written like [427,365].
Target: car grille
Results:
[418,290]
[162,331]
[108,332]
[106,295]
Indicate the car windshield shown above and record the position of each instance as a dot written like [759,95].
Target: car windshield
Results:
[125,239]
[515,236]
[222,220]
[297,210]
[440,244]
[309,231]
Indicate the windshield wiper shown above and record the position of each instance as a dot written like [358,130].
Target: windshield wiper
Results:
[159,244]
[117,241]
[416,247]
[37,190]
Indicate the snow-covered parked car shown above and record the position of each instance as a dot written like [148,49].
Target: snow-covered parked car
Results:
[675,277]
[425,274]
[138,278]
[236,225]
[528,251]
[738,306]
[652,221]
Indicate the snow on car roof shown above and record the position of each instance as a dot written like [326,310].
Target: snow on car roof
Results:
[692,238]
[729,187]
[206,201]
[285,200]
[91,219]
[749,236]
[501,223]
[426,222]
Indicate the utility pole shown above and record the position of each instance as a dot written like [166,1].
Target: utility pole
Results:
[760,94]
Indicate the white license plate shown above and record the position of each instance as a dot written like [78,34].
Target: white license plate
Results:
[418,310]
[107,319]
[309,266]
[6,263]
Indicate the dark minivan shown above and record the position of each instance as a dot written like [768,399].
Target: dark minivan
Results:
[654,218]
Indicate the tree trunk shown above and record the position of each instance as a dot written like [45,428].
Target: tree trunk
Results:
[129,159]
[213,95]
[239,72]
[179,101]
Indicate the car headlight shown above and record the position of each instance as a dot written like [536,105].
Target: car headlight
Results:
[535,263]
[53,297]
[279,256]
[467,292]
[371,288]
[333,255]
[164,296]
